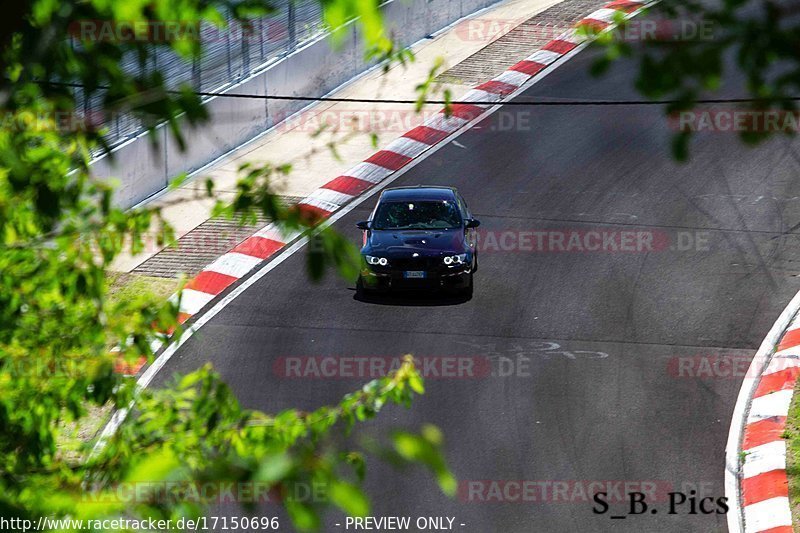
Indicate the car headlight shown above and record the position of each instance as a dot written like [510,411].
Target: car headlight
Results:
[372,260]
[459,259]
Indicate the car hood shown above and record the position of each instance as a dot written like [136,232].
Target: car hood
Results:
[398,243]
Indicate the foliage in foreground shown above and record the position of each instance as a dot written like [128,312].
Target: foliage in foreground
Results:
[192,445]
[690,50]
[60,231]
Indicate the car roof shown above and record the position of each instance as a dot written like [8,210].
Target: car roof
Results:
[420,192]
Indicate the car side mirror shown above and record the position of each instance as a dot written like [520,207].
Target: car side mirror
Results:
[364,224]
[473,223]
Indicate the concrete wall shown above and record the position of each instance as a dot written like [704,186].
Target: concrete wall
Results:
[313,70]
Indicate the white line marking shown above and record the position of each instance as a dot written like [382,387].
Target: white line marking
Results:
[442,123]
[192,301]
[149,374]
[604,15]
[768,514]
[774,404]
[330,207]
[368,172]
[545,57]
[330,196]
[572,36]
[512,77]
[479,95]
[407,147]
[765,458]
[233,264]
[271,232]
[788,358]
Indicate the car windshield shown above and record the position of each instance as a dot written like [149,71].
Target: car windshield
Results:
[441,214]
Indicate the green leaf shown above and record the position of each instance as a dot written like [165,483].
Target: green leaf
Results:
[274,468]
[416,383]
[303,516]
[349,498]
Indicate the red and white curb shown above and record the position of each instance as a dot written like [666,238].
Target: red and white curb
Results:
[338,192]
[755,473]
[204,292]
[321,203]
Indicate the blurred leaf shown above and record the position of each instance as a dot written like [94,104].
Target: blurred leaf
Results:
[349,499]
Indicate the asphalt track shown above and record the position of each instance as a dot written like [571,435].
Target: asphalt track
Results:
[567,413]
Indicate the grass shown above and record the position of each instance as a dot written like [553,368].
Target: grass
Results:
[77,439]
[126,286]
[792,436]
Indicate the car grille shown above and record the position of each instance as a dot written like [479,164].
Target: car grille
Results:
[416,263]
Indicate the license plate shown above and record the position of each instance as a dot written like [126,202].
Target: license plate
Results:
[414,274]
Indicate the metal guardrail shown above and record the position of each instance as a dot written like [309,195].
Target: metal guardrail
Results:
[144,164]
[230,55]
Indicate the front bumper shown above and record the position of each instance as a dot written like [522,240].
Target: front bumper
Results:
[387,278]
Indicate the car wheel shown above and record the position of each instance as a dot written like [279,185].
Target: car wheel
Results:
[361,291]
[469,288]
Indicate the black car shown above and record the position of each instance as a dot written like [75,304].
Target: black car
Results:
[419,238]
